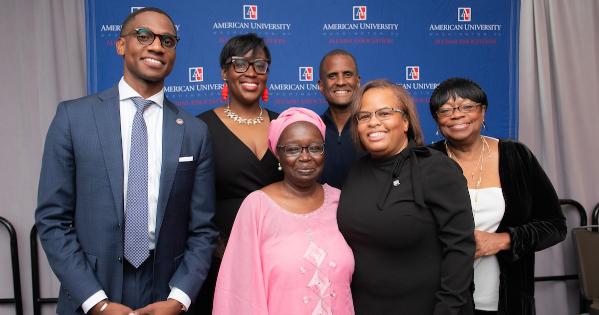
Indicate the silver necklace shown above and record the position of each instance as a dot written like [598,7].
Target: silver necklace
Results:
[243,121]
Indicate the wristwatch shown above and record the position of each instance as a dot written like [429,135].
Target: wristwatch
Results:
[104,306]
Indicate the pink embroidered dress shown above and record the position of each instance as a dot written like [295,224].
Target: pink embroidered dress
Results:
[279,262]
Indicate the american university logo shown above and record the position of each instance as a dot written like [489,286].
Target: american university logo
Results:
[412,73]
[464,14]
[359,13]
[196,74]
[306,74]
[250,12]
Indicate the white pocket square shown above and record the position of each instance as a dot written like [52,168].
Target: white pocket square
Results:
[185,158]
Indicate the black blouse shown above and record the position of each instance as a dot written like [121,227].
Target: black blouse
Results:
[409,222]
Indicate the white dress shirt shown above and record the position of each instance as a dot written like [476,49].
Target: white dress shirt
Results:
[153,117]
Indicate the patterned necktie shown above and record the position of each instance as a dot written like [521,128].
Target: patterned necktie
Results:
[137,240]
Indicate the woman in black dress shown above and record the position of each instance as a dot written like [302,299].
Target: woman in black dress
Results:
[405,212]
[239,130]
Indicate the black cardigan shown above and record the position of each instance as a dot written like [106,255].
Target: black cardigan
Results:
[533,218]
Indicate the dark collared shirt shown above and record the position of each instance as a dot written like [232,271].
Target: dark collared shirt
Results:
[340,152]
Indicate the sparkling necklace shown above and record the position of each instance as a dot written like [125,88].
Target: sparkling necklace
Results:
[243,121]
[481,161]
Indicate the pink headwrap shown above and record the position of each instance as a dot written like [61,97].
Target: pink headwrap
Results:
[288,117]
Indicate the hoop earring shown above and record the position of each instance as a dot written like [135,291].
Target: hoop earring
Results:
[279,168]
[224,93]
[265,95]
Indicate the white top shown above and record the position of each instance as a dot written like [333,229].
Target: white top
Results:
[488,207]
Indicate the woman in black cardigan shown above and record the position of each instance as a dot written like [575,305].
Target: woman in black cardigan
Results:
[516,209]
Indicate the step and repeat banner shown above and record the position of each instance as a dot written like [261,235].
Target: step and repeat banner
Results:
[416,44]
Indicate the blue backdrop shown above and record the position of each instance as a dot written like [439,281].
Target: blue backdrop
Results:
[414,43]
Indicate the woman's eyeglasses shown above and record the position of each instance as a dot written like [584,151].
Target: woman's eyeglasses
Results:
[146,37]
[241,65]
[292,150]
[381,114]
[447,111]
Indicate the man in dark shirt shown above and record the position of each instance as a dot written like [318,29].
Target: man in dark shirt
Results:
[338,81]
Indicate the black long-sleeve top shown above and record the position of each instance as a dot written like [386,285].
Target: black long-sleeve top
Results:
[533,218]
[409,222]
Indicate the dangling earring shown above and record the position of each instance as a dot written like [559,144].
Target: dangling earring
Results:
[265,95]
[437,132]
[280,168]
[484,125]
[224,93]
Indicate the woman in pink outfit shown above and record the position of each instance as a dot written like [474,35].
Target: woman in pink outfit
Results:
[285,254]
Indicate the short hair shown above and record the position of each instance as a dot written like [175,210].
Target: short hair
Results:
[240,45]
[407,105]
[129,19]
[336,52]
[453,88]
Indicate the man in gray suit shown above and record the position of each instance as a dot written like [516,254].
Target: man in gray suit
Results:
[126,192]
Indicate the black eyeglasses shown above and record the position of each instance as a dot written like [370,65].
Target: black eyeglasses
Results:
[241,65]
[381,114]
[464,108]
[292,150]
[146,37]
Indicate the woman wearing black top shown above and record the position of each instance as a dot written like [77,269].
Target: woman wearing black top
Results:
[405,212]
[239,130]
[516,209]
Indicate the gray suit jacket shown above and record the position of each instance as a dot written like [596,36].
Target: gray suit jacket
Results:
[79,216]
